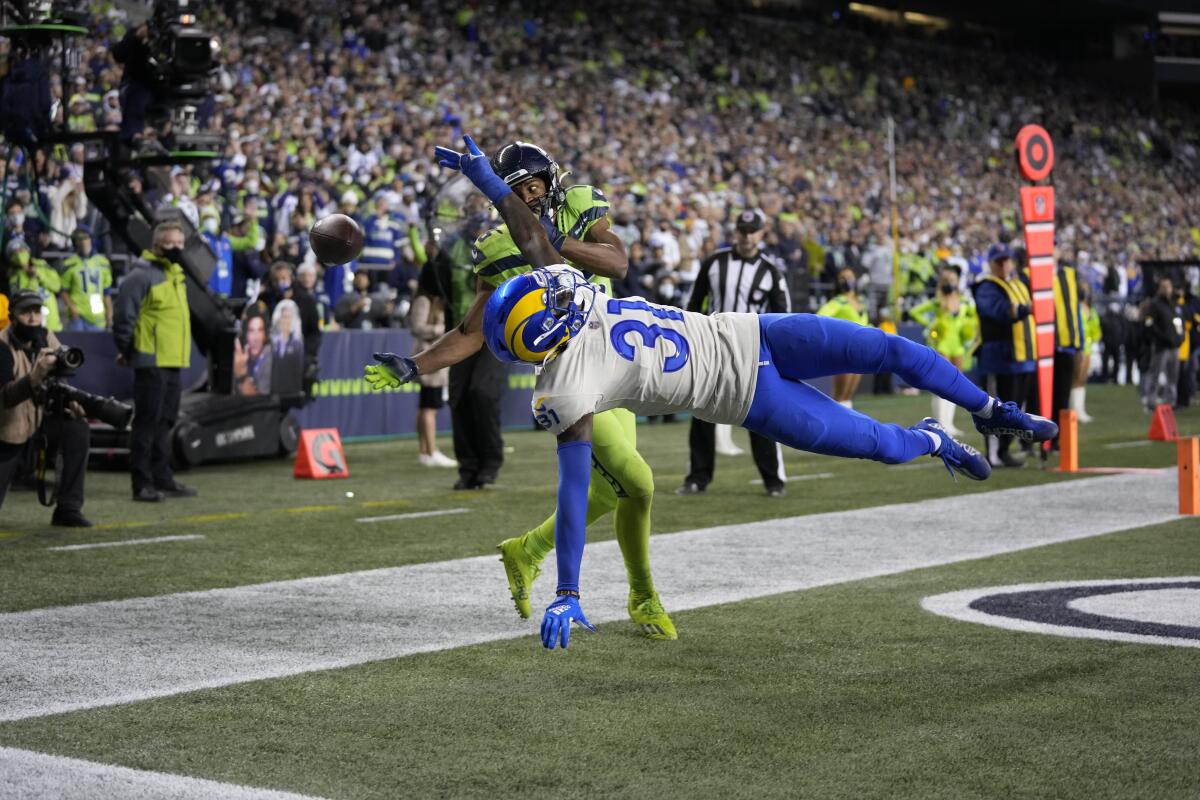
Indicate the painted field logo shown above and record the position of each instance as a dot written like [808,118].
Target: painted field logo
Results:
[1142,610]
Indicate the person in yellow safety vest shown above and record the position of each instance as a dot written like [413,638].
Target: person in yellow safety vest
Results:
[951,328]
[1083,362]
[1008,343]
[87,286]
[35,275]
[1068,338]
[846,305]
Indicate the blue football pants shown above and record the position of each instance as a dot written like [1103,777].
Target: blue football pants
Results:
[799,347]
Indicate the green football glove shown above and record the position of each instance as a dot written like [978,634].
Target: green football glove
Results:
[391,372]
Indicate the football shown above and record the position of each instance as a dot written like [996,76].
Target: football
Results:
[336,239]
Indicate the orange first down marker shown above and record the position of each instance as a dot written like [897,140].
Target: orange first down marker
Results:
[1189,476]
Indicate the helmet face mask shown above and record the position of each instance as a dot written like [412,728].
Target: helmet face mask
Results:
[531,317]
[520,161]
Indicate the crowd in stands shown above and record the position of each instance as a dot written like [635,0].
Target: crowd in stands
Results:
[683,117]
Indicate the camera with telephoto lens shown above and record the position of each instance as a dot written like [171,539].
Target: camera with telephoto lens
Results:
[60,394]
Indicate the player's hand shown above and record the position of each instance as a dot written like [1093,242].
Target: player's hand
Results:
[556,623]
[474,164]
[391,372]
[557,237]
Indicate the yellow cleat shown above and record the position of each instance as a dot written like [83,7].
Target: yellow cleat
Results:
[520,571]
[651,618]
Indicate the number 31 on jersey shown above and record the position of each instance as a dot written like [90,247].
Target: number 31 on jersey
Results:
[650,334]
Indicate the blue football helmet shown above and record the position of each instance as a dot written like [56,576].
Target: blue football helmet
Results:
[532,315]
[520,161]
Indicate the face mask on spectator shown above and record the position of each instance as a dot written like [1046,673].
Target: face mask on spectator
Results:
[845,285]
[172,254]
[211,225]
[251,187]
[16,221]
[948,288]
[30,334]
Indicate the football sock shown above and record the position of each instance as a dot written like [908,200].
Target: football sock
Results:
[539,541]
[988,408]
[633,535]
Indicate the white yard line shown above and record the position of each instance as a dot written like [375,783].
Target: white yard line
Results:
[191,537]
[414,515]
[86,656]
[98,654]
[26,775]
[1125,445]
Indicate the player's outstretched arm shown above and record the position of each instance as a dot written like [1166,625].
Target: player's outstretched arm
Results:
[453,346]
[570,523]
[526,230]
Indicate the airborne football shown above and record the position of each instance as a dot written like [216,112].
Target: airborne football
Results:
[762,398]
[336,239]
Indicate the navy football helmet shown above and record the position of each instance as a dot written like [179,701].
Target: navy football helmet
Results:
[520,161]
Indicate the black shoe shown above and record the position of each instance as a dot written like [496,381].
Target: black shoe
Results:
[462,484]
[149,495]
[690,487]
[777,491]
[69,519]
[177,489]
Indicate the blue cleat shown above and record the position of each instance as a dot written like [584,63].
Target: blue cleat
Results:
[1009,420]
[958,457]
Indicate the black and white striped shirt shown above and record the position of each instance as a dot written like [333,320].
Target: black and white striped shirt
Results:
[729,283]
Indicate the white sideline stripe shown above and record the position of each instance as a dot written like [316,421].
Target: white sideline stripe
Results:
[99,654]
[956,605]
[414,515]
[815,476]
[1124,445]
[191,537]
[26,774]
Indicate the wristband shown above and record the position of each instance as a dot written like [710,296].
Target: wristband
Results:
[491,185]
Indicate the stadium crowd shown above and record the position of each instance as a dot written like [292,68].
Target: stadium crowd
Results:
[675,114]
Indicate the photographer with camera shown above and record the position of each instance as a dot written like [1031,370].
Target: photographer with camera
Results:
[153,333]
[29,358]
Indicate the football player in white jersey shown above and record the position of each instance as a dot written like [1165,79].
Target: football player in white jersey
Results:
[597,353]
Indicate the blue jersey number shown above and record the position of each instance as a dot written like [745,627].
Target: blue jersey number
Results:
[650,333]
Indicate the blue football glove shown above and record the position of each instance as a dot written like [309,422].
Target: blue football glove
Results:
[391,372]
[474,164]
[557,237]
[556,624]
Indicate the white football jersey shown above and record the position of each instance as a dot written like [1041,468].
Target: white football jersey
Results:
[651,359]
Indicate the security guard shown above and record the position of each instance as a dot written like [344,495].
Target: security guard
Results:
[153,333]
[1008,352]
[1068,338]
[87,286]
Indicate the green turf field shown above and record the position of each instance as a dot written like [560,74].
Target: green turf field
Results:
[849,690]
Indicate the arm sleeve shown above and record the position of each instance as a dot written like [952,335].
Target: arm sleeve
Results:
[12,392]
[570,520]
[125,311]
[991,302]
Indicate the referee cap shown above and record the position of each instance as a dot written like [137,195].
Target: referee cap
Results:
[751,220]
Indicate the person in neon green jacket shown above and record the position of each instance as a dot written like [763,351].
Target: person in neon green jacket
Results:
[951,328]
[35,275]
[1083,359]
[848,306]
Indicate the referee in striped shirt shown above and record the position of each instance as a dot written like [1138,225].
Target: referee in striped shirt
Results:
[740,278]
